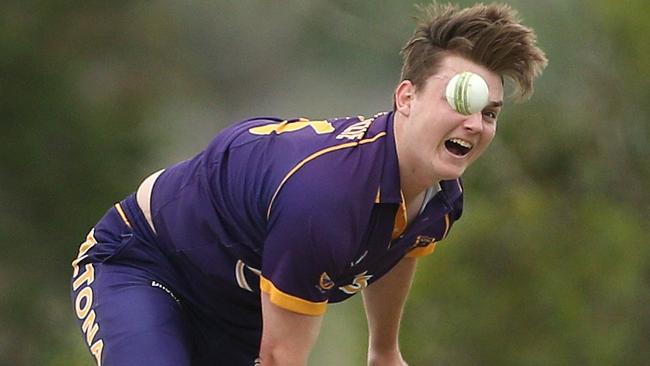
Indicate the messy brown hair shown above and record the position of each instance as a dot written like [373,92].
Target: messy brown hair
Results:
[490,35]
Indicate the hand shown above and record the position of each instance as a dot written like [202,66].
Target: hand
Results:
[393,358]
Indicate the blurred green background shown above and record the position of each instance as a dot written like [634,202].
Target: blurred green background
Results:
[550,264]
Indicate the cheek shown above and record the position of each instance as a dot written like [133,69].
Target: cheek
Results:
[489,132]
[486,139]
[420,129]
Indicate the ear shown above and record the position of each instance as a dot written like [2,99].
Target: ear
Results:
[404,94]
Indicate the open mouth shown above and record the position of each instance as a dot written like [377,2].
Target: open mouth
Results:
[458,147]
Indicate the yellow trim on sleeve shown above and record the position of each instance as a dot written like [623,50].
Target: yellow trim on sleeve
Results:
[422,251]
[314,156]
[291,302]
[122,214]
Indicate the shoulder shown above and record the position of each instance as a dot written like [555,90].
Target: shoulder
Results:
[338,178]
[335,166]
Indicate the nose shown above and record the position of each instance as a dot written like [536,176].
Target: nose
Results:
[474,122]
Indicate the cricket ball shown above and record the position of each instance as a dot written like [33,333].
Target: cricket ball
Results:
[467,93]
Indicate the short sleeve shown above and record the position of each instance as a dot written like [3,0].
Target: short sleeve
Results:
[313,233]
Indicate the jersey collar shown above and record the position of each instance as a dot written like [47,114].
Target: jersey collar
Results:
[451,190]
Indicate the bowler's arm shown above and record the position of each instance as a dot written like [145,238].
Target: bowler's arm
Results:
[384,302]
[287,337]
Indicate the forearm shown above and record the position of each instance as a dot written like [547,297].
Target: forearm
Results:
[384,302]
[272,355]
[287,337]
[282,354]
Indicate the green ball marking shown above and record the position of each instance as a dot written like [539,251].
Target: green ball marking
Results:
[464,89]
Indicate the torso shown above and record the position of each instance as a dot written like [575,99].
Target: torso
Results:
[308,200]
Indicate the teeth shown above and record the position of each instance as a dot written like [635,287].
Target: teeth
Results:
[462,143]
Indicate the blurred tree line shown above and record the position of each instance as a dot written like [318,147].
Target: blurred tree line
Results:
[547,267]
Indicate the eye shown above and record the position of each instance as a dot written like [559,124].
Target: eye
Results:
[490,116]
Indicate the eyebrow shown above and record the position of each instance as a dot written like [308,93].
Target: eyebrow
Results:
[495,104]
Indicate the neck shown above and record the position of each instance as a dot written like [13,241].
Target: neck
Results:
[413,179]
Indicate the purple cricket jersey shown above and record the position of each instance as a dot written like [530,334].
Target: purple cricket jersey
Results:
[311,212]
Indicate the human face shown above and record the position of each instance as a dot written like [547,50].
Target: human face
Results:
[435,142]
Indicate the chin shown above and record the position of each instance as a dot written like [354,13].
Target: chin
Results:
[446,168]
[450,173]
